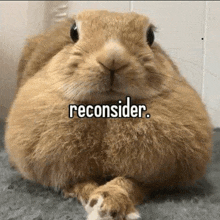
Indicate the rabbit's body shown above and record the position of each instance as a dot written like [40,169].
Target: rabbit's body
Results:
[171,148]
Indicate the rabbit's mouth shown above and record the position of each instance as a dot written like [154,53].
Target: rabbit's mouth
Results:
[113,91]
[104,97]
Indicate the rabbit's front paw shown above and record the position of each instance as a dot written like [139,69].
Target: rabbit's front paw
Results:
[110,202]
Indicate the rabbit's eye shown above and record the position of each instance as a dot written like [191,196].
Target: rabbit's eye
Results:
[74,32]
[150,36]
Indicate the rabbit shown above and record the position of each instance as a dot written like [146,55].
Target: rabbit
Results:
[109,164]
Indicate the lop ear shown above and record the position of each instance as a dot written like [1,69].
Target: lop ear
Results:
[28,49]
[41,48]
[150,34]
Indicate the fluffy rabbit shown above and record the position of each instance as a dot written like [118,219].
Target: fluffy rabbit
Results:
[109,164]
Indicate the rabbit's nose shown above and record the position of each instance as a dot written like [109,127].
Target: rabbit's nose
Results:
[112,56]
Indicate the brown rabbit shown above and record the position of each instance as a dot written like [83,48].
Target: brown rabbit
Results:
[109,164]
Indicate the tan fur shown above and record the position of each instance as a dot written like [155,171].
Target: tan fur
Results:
[171,148]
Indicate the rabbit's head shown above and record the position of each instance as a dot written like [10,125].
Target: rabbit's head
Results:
[112,55]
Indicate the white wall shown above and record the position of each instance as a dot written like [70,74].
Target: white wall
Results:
[13,22]
[181,27]
[211,91]
[18,20]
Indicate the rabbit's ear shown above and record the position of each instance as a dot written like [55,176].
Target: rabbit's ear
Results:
[41,48]
[150,34]
[26,55]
